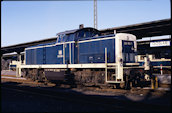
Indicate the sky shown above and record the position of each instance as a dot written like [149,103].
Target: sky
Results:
[26,21]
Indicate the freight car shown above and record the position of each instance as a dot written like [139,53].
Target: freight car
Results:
[84,56]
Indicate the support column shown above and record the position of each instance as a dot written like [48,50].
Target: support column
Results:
[18,68]
[106,73]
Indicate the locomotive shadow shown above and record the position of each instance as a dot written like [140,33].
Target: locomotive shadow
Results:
[147,104]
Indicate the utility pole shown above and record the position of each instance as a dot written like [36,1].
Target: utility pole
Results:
[95,14]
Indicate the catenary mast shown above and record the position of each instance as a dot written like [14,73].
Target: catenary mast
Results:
[95,14]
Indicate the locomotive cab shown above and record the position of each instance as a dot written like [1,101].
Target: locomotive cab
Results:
[126,62]
[77,34]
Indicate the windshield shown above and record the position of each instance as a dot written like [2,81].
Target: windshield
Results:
[79,34]
[128,51]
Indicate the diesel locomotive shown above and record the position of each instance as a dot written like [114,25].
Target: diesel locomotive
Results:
[85,56]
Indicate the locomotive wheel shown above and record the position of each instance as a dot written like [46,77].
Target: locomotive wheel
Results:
[33,78]
[122,85]
[40,75]
[34,74]
[28,76]
[127,83]
[24,73]
[116,86]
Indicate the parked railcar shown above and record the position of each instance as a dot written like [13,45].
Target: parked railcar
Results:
[84,56]
[159,65]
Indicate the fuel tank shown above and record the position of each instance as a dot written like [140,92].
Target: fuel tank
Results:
[55,74]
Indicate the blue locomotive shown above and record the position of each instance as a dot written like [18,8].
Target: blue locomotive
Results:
[84,56]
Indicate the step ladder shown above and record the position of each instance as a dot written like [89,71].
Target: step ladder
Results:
[111,71]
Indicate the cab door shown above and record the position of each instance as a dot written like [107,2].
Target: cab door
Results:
[67,53]
[60,53]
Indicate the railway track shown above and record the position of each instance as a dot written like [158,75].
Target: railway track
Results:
[96,100]
[68,97]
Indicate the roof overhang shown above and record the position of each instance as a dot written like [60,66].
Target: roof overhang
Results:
[147,29]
